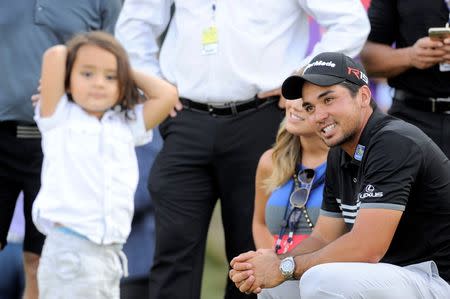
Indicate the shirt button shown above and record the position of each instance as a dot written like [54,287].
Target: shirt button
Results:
[354,180]
[39,8]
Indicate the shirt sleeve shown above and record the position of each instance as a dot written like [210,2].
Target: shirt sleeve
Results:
[330,205]
[345,22]
[109,14]
[388,175]
[383,21]
[137,126]
[60,115]
[140,24]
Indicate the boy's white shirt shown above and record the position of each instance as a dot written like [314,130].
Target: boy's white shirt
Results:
[90,172]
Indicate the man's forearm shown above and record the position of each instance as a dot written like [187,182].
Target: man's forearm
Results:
[347,248]
[384,61]
[308,245]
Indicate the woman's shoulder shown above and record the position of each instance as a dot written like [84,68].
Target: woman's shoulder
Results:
[265,161]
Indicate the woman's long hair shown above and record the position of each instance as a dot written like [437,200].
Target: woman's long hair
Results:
[285,157]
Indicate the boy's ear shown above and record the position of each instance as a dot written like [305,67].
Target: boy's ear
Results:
[366,95]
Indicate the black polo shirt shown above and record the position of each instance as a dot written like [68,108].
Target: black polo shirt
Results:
[397,167]
[403,22]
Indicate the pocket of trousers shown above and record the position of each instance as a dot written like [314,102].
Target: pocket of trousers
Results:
[67,265]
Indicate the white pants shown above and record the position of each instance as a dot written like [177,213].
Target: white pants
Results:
[364,281]
[72,267]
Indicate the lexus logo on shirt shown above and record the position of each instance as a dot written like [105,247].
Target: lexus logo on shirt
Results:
[370,188]
[369,191]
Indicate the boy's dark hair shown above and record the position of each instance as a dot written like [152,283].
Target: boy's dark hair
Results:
[353,89]
[128,92]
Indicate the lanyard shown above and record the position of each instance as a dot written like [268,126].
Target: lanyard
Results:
[213,12]
[292,216]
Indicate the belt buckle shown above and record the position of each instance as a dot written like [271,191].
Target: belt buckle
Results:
[211,110]
[227,105]
[434,101]
[233,108]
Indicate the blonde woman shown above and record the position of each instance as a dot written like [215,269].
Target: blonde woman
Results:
[289,184]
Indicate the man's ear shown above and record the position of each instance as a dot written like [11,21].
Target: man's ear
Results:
[366,95]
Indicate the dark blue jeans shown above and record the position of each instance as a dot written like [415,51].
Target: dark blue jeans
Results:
[12,278]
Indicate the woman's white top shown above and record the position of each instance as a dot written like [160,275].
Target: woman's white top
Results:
[90,172]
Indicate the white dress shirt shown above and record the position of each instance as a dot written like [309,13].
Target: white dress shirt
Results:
[260,42]
[90,172]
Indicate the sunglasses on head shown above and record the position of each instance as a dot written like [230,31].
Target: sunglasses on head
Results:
[303,182]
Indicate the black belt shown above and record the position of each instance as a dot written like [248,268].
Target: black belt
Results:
[23,130]
[230,108]
[438,105]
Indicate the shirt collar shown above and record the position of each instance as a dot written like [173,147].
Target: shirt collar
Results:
[364,139]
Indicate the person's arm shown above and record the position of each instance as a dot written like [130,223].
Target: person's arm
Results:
[378,56]
[346,24]
[247,267]
[140,24]
[261,234]
[327,230]
[367,242]
[384,61]
[161,97]
[52,79]
[109,13]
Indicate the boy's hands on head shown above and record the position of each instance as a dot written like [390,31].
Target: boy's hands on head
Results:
[161,96]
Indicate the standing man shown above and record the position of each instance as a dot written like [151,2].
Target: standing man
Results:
[140,245]
[27,29]
[417,67]
[384,227]
[228,59]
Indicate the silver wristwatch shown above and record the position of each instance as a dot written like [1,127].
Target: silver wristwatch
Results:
[287,267]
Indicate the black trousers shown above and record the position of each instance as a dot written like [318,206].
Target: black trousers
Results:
[20,170]
[136,288]
[435,125]
[204,158]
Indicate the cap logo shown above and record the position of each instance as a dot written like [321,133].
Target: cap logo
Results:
[358,74]
[320,63]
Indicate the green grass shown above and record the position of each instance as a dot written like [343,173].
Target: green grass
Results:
[216,269]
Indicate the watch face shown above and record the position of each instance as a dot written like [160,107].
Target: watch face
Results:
[287,266]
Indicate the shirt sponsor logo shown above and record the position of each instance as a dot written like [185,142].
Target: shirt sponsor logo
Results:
[320,63]
[370,192]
